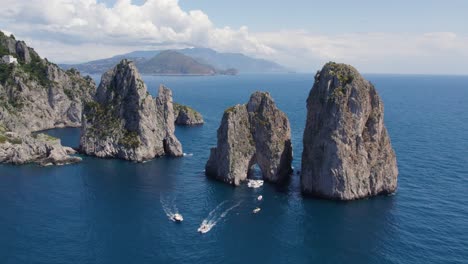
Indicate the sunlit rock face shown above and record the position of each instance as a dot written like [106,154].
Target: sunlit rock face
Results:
[254,133]
[347,151]
[126,122]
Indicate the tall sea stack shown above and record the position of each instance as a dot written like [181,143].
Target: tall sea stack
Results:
[254,133]
[126,122]
[347,151]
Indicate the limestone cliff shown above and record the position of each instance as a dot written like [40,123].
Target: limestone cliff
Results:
[255,133]
[347,151]
[36,94]
[187,116]
[126,122]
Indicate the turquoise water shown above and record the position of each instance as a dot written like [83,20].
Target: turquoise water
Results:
[110,211]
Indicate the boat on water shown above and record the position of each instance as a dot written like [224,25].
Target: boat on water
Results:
[255,183]
[204,228]
[256,210]
[260,197]
[177,217]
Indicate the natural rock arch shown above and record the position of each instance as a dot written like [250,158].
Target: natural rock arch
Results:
[255,133]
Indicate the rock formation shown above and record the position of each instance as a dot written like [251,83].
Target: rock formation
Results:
[38,148]
[347,151]
[126,122]
[187,116]
[255,133]
[36,94]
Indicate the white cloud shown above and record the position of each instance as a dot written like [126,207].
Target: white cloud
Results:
[82,30]
[438,52]
[153,23]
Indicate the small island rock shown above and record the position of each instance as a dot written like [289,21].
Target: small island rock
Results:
[347,151]
[187,116]
[255,133]
[126,122]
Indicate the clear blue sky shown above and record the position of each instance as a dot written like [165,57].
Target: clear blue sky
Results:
[337,16]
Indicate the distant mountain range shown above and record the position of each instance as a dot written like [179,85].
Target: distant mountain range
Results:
[193,61]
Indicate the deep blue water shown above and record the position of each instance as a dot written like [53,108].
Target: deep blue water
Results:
[110,211]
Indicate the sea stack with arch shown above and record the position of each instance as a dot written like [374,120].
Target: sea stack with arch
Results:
[253,133]
[347,151]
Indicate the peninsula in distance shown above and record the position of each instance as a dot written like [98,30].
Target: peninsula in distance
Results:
[189,61]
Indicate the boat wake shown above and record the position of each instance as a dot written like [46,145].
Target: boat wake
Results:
[188,154]
[169,206]
[215,216]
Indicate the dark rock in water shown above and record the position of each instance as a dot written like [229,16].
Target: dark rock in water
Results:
[347,151]
[187,116]
[126,122]
[255,133]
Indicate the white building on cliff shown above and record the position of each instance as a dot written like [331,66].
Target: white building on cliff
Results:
[8,59]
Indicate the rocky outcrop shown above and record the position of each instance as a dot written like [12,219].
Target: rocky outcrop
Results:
[126,122]
[255,133]
[187,116]
[347,151]
[36,94]
[38,148]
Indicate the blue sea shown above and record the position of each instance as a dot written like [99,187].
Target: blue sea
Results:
[112,211]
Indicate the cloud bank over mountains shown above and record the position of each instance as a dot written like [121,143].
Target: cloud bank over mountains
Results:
[82,30]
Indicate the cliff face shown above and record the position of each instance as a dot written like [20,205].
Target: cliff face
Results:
[255,133]
[347,151]
[36,94]
[187,116]
[126,121]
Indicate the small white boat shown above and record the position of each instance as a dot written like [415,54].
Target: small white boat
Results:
[204,228]
[177,218]
[255,183]
[256,210]
[260,197]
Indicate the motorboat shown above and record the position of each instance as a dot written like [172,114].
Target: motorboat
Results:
[204,228]
[255,183]
[260,197]
[177,217]
[256,210]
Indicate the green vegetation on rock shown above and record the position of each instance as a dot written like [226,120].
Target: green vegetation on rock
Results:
[345,76]
[106,123]
[37,70]
[130,139]
[6,73]
[230,109]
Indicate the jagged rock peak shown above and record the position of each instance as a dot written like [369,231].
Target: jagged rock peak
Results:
[126,122]
[347,151]
[254,133]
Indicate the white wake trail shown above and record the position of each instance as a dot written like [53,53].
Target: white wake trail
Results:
[169,207]
[213,219]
